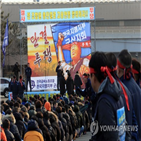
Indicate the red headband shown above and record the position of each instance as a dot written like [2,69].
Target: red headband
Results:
[104,69]
[92,70]
[135,71]
[124,92]
[120,65]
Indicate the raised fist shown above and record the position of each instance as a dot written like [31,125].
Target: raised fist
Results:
[60,39]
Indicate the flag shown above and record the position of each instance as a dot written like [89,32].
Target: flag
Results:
[5,42]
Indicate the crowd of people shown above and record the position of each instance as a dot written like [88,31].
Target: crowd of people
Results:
[112,97]
[58,119]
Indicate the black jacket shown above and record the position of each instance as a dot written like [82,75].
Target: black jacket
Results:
[28,72]
[77,81]
[21,88]
[62,85]
[14,88]
[106,111]
[70,85]
[9,135]
[58,71]
[20,124]
[13,128]
[44,129]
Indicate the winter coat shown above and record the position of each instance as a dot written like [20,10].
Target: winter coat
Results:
[13,127]
[77,81]
[9,135]
[50,129]
[28,72]
[62,85]
[79,116]
[70,86]
[58,71]
[136,99]
[14,88]
[55,125]
[46,134]
[67,118]
[21,88]
[109,105]
[20,124]
[33,136]
[2,135]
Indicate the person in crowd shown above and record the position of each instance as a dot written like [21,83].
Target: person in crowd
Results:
[136,70]
[14,88]
[69,84]
[39,106]
[16,70]
[6,127]
[127,97]
[21,88]
[13,127]
[47,106]
[33,132]
[28,73]
[2,134]
[77,82]
[109,104]
[20,124]
[32,111]
[80,125]
[46,134]
[10,83]
[62,84]
[88,88]
[124,72]
[58,70]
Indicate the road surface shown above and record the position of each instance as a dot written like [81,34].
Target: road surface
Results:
[84,137]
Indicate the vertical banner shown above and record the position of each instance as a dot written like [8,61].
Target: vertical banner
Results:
[42,57]
[5,42]
[49,43]
[73,46]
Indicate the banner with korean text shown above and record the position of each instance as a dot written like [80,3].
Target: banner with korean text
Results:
[57,15]
[69,43]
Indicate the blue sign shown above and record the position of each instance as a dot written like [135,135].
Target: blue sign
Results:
[121,123]
[57,15]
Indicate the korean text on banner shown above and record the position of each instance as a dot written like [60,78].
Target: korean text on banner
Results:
[57,15]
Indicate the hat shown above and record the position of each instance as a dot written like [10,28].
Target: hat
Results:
[47,106]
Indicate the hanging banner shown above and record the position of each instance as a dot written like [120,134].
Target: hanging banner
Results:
[5,43]
[73,46]
[57,15]
[49,43]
